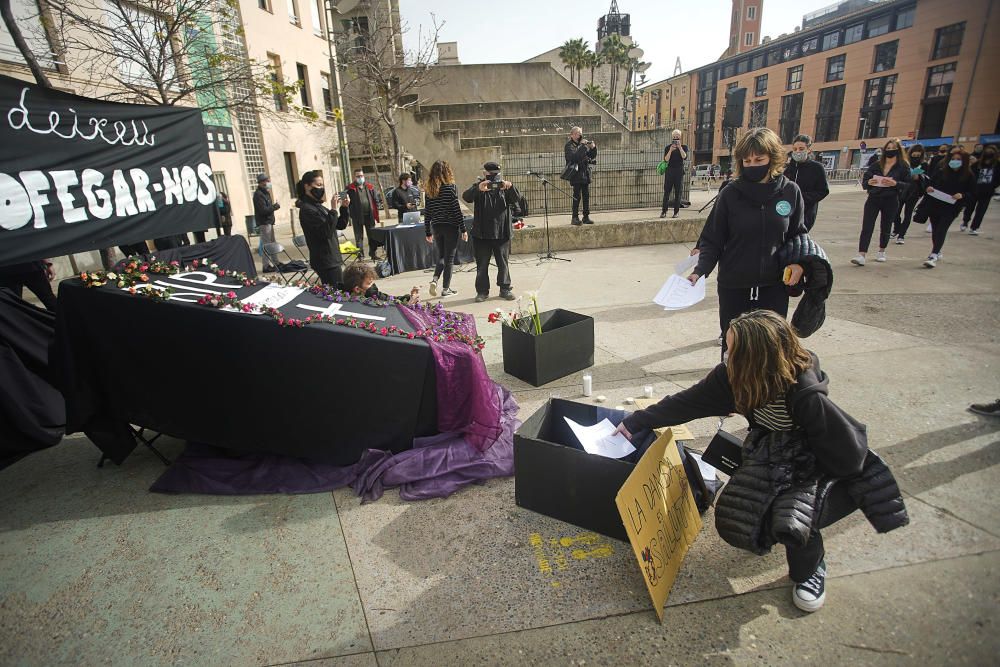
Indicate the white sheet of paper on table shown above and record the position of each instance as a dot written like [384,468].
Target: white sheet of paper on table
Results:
[943,196]
[601,439]
[677,293]
[273,296]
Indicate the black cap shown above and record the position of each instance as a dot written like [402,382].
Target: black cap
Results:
[262,177]
[491,166]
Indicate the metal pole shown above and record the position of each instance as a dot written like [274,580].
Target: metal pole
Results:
[338,101]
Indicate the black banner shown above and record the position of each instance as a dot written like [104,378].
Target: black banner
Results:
[79,174]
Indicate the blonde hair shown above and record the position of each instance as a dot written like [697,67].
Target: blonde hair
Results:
[901,157]
[759,141]
[676,132]
[575,128]
[441,174]
[765,359]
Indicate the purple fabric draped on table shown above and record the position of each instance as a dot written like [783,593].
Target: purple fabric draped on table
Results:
[465,392]
[436,467]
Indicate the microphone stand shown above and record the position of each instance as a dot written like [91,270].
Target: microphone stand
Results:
[548,241]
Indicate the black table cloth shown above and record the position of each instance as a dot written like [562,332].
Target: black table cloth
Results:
[406,247]
[239,381]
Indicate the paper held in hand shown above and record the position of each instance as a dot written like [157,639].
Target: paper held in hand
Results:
[677,293]
[601,439]
[943,196]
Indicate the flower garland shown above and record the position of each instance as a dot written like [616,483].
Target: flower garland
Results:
[135,271]
[334,295]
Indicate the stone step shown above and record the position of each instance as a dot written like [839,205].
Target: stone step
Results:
[492,110]
[539,143]
[525,125]
[619,234]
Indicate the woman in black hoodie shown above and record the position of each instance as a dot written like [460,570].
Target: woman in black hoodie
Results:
[885,180]
[953,179]
[753,219]
[987,175]
[320,225]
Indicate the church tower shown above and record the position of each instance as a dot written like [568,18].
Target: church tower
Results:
[744,27]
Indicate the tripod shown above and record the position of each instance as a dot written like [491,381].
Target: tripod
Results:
[548,240]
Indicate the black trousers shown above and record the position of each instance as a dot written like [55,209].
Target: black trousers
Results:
[887,207]
[903,217]
[333,276]
[499,251]
[445,244]
[941,215]
[976,209]
[581,191]
[673,180]
[134,249]
[359,234]
[803,561]
[734,301]
[34,280]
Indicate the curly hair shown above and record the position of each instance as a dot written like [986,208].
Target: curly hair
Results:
[441,174]
[759,141]
[765,359]
[356,274]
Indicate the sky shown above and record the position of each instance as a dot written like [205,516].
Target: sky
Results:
[514,30]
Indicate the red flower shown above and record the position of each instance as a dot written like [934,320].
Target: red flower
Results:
[493,317]
[383,331]
[411,336]
[144,278]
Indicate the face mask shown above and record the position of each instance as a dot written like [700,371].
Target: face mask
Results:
[756,174]
[268,186]
[989,157]
[977,151]
[955,164]
[360,180]
[319,193]
[800,156]
[219,203]
[892,152]
[916,157]
[371,292]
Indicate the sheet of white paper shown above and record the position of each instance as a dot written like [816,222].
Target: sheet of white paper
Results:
[707,471]
[677,293]
[273,296]
[684,266]
[943,196]
[601,439]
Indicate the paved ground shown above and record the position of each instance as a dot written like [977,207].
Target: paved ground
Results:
[93,569]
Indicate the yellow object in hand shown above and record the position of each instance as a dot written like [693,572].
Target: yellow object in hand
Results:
[787,275]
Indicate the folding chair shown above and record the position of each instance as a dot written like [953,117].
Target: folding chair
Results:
[273,253]
[300,242]
[348,250]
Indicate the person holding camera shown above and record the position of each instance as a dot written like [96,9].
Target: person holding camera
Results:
[580,154]
[492,227]
[673,178]
[320,225]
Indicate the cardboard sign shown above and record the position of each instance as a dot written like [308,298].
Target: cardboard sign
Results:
[660,516]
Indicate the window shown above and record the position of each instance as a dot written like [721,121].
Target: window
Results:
[948,40]
[934,106]
[794,78]
[220,182]
[327,98]
[303,73]
[708,78]
[293,12]
[791,115]
[757,61]
[758,113]
[760,86]
[264,4]
[876,104]
[28,18]
[790,52]
[291,171]
[732,85]
[707,97]
[751,13]
[854,33]
[904,17]
[359,27]
[831,107]
[728,71]
[831,40]
[810,45]
[885,56]
[277,80]
[748,39]
[879,25]
[316,10]
[939,80]
[741,66]
[835,67]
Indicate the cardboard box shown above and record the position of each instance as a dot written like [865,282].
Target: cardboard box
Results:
[566,345]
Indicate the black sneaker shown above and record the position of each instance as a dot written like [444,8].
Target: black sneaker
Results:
[810,595]
[576,222]
[663,215]
[507,295]
[447,291]
[987,409]
[587,220]
[481,297]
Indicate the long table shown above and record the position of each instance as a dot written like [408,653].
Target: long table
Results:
[240,381]
[406,247]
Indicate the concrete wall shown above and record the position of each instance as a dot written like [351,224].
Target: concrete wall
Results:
[540,143]
[614,235]
[421,136]
[508,126]
[493,110]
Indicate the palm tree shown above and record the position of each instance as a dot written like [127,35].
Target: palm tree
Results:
[614,52]
[598,95]
[591,61]
[571,54]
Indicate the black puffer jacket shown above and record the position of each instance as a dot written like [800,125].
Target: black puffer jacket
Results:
[751,222]
[817,282]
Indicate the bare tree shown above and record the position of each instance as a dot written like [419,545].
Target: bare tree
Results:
[165,52]
[383,79]
[22,45]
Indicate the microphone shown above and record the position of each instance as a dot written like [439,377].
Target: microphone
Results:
[534,173]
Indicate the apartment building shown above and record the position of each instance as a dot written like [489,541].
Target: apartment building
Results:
[664,104]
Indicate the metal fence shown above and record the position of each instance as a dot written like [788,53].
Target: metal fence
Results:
[623,178]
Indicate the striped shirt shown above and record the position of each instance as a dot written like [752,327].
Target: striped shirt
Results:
[444,209]
[774,416]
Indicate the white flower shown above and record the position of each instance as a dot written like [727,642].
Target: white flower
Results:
[112,275]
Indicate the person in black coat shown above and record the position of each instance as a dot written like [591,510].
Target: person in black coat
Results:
[673,178]
[917,157]
[809,175]
[987,175]
[320,225]
[36,276]
[953,178]
[493,201]
[264,207]
[753,219]
[779,387]
[582,154]
[405,197]
[885,180]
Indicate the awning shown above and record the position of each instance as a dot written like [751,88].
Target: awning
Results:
[989,138]
[929,143]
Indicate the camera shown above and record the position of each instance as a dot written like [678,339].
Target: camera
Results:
[495,180]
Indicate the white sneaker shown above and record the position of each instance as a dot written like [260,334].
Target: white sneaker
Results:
[433,289]
[973,232]
[810,595]
[859,260]
[930,228]
[963,227]
[900,240]
[931,261]
[881,256]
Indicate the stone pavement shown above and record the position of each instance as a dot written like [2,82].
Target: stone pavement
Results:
[94,569]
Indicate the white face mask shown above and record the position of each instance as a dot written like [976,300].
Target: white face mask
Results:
[360,180]
[800,156]
[268,186]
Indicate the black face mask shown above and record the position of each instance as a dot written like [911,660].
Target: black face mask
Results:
[977,151]
[891,153]
[756,174]
[989,157]
[319,193]
[371,292]
[916,157]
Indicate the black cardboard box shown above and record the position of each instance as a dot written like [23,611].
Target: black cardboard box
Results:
[566,345]
[555,477]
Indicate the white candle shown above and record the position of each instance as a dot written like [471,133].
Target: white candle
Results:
[588,384]
[647,391]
